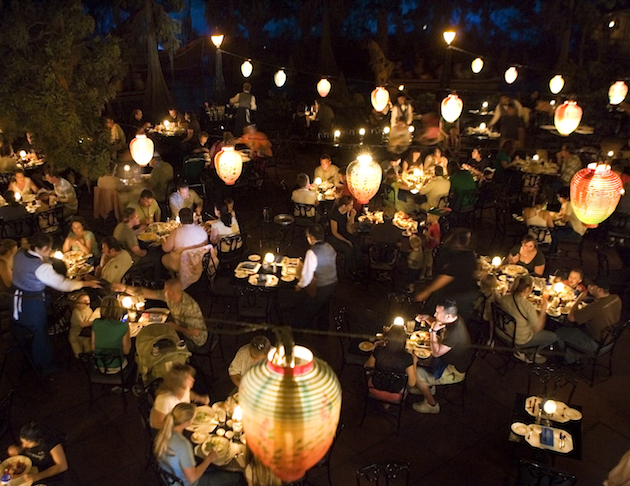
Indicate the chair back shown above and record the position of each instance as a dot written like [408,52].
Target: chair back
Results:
[253,302]
[463,201]
[193,168]
[610,338]
[387,381]
[106,362]
[533,474]
[305,214]
[5,180]
[166,478]
[543,236]
[5,415]
[394,473]
[383,254]
[51,220]
[18,228]
[548,382]
[106,201]
[231,244]
[505,323]
[209,267]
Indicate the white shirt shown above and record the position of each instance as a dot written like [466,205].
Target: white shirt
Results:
[47,274]
[165,403]
[576,224]
[434,190]
[308,270]
[499,111]
[304,195]
[242,361]
[186,236]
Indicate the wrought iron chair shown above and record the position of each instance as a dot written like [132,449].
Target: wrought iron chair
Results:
[382,260]
[387,381]
[193,170]
[543,236]
[104,368]
[231,250]
[393,472]
[347,356]
[548,382]
[533,474]
[18,228]
[5,416]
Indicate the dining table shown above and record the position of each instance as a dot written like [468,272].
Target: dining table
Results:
[19,479]
[281,272]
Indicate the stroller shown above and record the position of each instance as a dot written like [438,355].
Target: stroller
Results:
[165,339]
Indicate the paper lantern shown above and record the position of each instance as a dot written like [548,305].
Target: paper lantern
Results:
[363,177]
[380,98]
[567,117]
[595,193]
[280,78]
[617,92]
[141,148]
[229,165]
[556,84]
[476,65]
[246,69]
[510,75]
[290,413]
[451,107]
[323,87]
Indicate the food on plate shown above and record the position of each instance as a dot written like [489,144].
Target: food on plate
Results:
[148,237]
[422,352]
[514,270]
[366,346]
[229,434]
[220,432]
[203,417]
[198,437]
[16,468]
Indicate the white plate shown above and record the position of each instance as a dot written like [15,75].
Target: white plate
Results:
[6,463]
[519,428]
[221,446]
[366,346]
[199,437]
[572,414]
[554,312]
[288,278]
[254,258]
[241,274]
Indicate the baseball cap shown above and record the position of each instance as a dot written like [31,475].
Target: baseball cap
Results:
[603,282]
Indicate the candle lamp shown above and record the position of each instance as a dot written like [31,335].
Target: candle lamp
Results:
[58,255]
[558,287]
[18,196]
[22,154]
[482,126]
[496,261]
[270,259]
[127,302]
[399,321]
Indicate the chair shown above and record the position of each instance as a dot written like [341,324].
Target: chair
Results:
[388,380]
[193,170]
[533,474]
[18,228]
[382,259]
[51,221]
[253,302]
[488,197]
[146,396]
[551,383]
[502,321]
[19,341]
[231,250]
[305,214]
[461,384]
[5,180]
[5,416]
[272,163]
[606,346]
[103,368]
[394,473]
[543,236]
[506,226]
[106,201]
[347,356]
[165,477]
[463,206]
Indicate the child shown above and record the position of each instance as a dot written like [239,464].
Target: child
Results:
[433,237]
[415,259]
[82,316]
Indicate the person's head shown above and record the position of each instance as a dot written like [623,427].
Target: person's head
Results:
[173,290]
[413,156]
[40,243]
[401,98]
[190,116]
[19,176]
[8,248]
[325,162]
[259,347]
[488,284]
[137,114]
[446,311]
[52,176]
[476,154]
[78,225]
[568,148]
[315,233]
[575,277]
[111,309]
[82,301]
[250,129]
[504,99]
[564,195]
[181,415]
[186,216]
[146,198]
[461,237]
[345,202]
[157,158]
[110,246]
[203,138]
[179,377]
[247,87]
[31,435]
[600,288]
[229,203]
[172,111]
[437,152]
[222,212]
[396,338]
[540,200]
[228,138]
[130,217]
[439,171]
[109,122]
[529,243]
[415,242]
[394,161]
[9,196]
[452,167]
[510,110]
[523,285]
[303,180]
[182,189]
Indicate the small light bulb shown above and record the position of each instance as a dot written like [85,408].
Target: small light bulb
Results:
[337,133]
[484,104]
[237,415]
[550,407]
[362,131]
[552,102]
[610,153]
[22,153]
[127,302]
[399,321]
[318,181]
[18,196]
[496,261]
[558,287]
[412,129]
[269,257]
[401,87]
[536,157]
[386,130]
[482,126]
[127,168]
[611,24]
[58,255]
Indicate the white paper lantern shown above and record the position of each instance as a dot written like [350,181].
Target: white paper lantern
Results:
[246,69]
[323,87]
[476,65]
[229,165]
[567,117]
[556,84]
[280,78]
[380,98]
[510,75]
[451,107]
[617,92]
[364,177]
[141,148]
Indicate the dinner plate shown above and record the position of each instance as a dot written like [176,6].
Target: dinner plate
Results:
[254,258]
[519,428]
[422,353]
[572,414]
[554,312]
[11,460]
[241,274]
[199,437]
[515,270]
[148,237]
[366,346]
[288,278]
[221,446]
[82,270]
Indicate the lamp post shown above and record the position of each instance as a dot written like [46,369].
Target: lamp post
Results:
[219,82]
[449,36]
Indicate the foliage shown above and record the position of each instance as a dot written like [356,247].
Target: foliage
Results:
[56,81]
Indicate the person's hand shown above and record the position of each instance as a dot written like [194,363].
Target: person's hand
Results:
[353,212]
[198,210]
[422,296]
[93,284]
[422,317]
[545,297]
[172,324]
[28,479]
[13,450]
[204,399]
[212,456]
[118,287]
[437,325]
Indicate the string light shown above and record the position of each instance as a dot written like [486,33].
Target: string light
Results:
[247,68]
[476,65]
[510,75]
[617,92]
[556,84]
[280,78]
[323,87]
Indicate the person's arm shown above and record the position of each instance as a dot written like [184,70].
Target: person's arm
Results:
[200,399]
[549,219]
[334,229]
[67,244]
[521,136]
[157,216]
[126,342]
[234,100]
[308,270]
[539,263]
[34,187]
[194,473]
[495,116]
[539,269]
[173,205]
[542,315]
[183,330]
[437,349]
[47,275]
[169,243]
[139,291]
[61,465]
[253,106]
[439,282]
[6,273]
[411,373]
[236,379]
[136,250]
[371,362]
[574,310]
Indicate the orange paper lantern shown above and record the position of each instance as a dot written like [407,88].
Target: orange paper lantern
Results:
[364,177]
[323,87]
[617,92]
[229,165]
[141,148]
[451,107]
[595,193]
[290,411]
[380,98]
[567,117]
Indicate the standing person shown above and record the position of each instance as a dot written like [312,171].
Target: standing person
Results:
[161,175]
[403,110]
[32,273]
[319,277]
[245,103]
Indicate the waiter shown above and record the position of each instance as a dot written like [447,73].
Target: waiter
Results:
[32,273]
[319,277]
[244,102]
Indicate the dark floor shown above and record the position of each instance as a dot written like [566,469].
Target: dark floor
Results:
[106,445]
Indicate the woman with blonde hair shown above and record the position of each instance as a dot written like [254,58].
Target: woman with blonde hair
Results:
[175,453]
[176,388]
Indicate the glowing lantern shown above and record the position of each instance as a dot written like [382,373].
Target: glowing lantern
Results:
[510,75]
[323,87]
[451,107]
[247,68]
[57,255]
[567,117]
[595,193]
[229,165]
[364,177]
[556,84]
[217,40]
[380,98]
[476,65]
[399,321]
[141,148]
[291,408]
[617,92]
[449,36]
[280,78]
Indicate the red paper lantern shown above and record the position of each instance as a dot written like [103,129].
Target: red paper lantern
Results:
[567,117]
[595,193]
[364,177]
[141,148]
[290,411]
[229,165]
[323,87]
[380,98]
[451,108]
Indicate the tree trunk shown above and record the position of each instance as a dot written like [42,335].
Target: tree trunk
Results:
[382,29]
[565,38]
[157,97]
[327,63]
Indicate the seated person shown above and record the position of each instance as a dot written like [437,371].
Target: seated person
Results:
[304,195]
[22,185]
[224,225]
[184,197]
[200,146]
[115,261]
[538,215]
[413,160]
[147,208]
[386,233]
[193,128]
[433,160]
[462,185]
[45,452]
[64,192]
[569,163]
[176,388]
[81,238]
[341,219]
[81,317]
[185,315]
[503,163]
[125,234]
[13,210]
[188,235]
[110,333]
[247,356]
[530,324]
[592,321]
[111,180]
[574,230]
[574,280]
[392,162]
[161,175]
[435,189]
[117,135]
[327,171]
[392,356]
[528,255]
[451,355]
